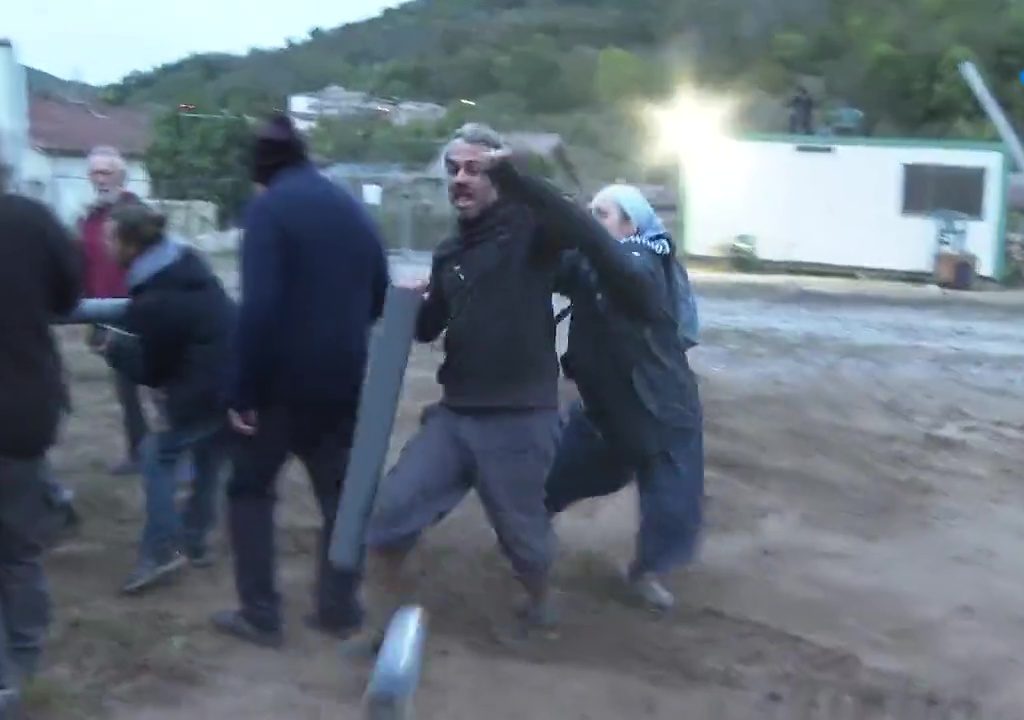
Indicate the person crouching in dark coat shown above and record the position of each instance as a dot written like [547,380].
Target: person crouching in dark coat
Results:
[633,319]
[176,338]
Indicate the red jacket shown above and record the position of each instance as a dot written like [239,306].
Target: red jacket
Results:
[103,275]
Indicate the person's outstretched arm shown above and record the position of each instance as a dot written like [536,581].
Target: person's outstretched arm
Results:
[630,278]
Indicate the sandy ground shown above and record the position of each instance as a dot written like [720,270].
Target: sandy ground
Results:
[861,560]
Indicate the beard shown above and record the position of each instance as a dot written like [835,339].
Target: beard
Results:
[107,196]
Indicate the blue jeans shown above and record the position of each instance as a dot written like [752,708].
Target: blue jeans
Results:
[670,485]
[166,531]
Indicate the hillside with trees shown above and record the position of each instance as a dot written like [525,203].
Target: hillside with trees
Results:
[577,66]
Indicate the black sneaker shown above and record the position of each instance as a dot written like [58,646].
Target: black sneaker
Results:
[233,623]
[151,572]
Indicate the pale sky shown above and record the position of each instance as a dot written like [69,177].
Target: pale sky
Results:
[100,41]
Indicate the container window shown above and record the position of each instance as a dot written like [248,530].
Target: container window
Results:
[928,188]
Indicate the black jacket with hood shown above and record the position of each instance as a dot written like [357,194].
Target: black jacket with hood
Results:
[625,352]
[178,333]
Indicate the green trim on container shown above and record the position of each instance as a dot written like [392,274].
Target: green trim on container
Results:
[1004,212]
[856,141]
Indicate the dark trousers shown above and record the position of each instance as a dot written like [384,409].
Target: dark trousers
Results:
[135,426]
[26,520]
[504,456]
[670,485]
[322,442]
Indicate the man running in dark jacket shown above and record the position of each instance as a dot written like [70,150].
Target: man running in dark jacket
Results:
[314,279]
[496,427]
[175,338]
[39,279]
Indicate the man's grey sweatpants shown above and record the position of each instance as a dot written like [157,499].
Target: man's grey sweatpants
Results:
[503,455]
[26,519]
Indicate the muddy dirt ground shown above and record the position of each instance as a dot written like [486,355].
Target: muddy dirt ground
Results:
[863,555]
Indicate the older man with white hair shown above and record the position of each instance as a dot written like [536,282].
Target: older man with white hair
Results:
[105,278]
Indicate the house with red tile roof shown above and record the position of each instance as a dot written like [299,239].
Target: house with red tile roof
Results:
[46,141]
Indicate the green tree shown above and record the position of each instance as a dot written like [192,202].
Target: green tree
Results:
[201,158]
[620,75]
[373,139]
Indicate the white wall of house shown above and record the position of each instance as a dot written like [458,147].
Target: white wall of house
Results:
[838,202]
[13,110]
[63,182]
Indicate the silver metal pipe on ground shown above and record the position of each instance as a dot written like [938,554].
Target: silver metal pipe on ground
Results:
[396,674]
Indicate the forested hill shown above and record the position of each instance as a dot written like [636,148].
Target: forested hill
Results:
[895,60]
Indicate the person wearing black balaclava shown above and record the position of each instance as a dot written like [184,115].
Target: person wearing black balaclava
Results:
[314,276]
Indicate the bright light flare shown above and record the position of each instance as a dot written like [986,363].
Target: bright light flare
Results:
[693,128]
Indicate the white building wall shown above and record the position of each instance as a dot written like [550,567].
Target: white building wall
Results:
[840,208]
[13,111]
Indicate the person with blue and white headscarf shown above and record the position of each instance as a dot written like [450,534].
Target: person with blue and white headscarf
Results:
[633,318]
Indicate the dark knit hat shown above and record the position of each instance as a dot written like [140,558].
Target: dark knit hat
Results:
[277,145]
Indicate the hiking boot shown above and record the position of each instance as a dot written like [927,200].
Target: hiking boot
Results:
[649,589]
[151,572]
[233,623]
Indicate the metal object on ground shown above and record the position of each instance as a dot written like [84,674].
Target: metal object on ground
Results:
[389,355]
[396,674]
[95,311]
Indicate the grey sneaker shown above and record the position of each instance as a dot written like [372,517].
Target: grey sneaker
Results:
[649,589]
[151,572]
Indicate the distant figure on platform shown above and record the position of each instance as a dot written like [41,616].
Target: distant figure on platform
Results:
[175,338]
[105,278]
[801,112]
[314,276]
[39,279]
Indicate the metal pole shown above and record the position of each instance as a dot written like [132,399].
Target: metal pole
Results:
[994,111]
[396,674]
[378,405]
[95,311]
